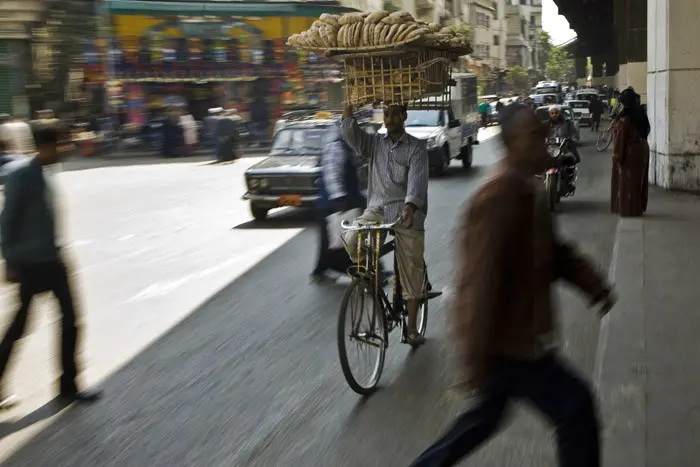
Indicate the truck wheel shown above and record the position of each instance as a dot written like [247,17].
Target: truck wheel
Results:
[440,169]
[259,213]
[467,156]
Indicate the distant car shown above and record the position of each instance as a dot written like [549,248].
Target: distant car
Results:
[543,113]
[581,111]
[291,174]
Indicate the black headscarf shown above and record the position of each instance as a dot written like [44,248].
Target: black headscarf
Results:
[634,111]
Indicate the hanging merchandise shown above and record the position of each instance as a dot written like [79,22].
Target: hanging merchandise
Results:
[156,49]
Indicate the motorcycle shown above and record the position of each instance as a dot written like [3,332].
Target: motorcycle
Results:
[560,177]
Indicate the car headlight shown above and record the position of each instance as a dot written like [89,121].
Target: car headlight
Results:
[264,183]
[431,142]
[253,183]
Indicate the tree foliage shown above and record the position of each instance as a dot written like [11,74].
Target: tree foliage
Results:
[544,48]
[518,78]
[560,67]
[463,30]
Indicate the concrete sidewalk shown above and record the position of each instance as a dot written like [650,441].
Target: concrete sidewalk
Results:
[647,365]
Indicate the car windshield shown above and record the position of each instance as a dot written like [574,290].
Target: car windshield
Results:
[298,141]
[585,97]
[423,118]
[546,90]
[578,105]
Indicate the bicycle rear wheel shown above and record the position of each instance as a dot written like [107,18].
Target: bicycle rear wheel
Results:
[604,140]
[362,323]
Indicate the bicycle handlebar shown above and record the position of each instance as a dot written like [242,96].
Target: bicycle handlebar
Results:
[370,227]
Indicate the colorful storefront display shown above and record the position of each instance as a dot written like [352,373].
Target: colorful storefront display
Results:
[212,60]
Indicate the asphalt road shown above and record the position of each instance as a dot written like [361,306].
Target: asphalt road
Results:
[251,376]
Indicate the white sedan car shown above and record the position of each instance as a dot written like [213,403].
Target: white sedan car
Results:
[580,108]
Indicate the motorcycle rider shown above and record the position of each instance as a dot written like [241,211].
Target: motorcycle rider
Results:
[559,127]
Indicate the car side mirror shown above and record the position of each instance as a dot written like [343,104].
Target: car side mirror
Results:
[454,123]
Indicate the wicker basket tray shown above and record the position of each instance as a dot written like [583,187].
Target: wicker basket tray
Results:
[418,77]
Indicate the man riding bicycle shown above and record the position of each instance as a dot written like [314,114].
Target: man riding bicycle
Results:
[397,188]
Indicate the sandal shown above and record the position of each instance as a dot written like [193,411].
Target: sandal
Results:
[414,339]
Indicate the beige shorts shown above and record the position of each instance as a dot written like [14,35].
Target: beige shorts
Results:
[410,246]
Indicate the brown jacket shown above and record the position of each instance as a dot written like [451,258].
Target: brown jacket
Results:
[509,256]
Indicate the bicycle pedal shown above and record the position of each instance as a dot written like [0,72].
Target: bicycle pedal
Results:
[431,295]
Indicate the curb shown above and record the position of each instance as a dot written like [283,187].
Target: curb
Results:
[620,372]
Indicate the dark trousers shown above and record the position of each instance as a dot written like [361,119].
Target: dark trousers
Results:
[337,260]
[595,122]
[35,279]
[551,387]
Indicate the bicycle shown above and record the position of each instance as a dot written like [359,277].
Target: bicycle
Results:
[605,137]
[385,315]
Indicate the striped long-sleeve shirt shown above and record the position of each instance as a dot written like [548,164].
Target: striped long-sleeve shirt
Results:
[398,171]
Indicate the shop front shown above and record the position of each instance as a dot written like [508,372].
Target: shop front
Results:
[230,55]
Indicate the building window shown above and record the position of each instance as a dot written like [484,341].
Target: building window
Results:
[482,50]
[482,19]
[532,20]
[523,26]
[523,2]
[496,40]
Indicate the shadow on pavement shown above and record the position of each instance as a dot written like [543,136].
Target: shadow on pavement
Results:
[286,218]
[46,411]
[580,206]
[460,172]
[206,391]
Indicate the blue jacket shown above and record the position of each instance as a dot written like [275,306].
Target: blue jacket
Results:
[339,176]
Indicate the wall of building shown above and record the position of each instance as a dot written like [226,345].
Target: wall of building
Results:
[16,19]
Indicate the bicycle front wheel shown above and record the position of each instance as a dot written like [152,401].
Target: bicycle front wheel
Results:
[604,140]
[362,337]
[422,318]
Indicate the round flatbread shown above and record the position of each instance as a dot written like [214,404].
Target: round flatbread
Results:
[329,19]
[402,28]
[392,32]
[378,30]
[370,33]
[358,27]
[376,17]
[350,18]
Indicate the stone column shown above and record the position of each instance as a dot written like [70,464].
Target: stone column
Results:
[581,64]
[674,93]
[631,26]
[597,70]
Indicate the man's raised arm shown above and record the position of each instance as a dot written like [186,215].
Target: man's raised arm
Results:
[358,139]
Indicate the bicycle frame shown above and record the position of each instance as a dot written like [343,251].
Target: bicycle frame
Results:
[380,249]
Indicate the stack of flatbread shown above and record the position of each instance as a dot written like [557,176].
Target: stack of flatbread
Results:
[363,31]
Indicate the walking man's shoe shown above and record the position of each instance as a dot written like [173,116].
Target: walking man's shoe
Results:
[86,397]
[8,402]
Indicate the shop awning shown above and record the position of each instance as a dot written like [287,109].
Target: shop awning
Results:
[308,8]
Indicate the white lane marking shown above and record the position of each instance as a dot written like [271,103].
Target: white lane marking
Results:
[127,237]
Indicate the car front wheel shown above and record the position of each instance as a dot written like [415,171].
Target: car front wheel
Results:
[259,212]
[466,156]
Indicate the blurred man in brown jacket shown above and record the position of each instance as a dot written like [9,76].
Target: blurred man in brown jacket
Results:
[510,256]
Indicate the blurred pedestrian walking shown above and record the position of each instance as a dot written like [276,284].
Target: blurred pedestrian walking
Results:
[509,256]
[34,260]
[339,192]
